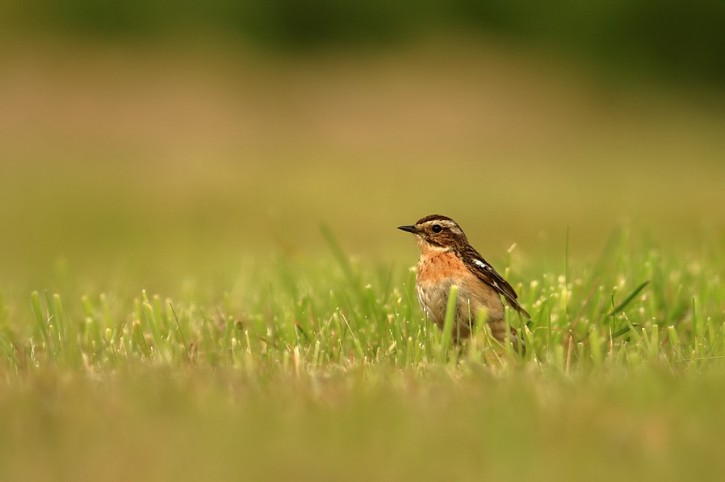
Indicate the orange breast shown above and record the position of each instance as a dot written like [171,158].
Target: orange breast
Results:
[442,266]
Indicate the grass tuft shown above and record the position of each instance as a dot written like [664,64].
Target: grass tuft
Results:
[335,354]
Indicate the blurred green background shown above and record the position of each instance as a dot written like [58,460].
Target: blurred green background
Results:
[163,138]
[683,39]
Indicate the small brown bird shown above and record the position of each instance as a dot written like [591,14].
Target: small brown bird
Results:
[447,259]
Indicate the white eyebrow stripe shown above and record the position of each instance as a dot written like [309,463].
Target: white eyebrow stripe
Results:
[442,222]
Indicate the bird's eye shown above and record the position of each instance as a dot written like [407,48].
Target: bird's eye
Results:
[437,228]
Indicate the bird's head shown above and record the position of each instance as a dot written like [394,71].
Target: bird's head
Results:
[437,232]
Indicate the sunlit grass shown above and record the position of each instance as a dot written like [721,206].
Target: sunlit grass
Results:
[331,360]
[634,304]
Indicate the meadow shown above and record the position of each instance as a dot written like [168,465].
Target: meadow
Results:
[201,275]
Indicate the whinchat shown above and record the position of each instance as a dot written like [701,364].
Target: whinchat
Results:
[447,259]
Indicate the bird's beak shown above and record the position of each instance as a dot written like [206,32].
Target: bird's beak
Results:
[410,228]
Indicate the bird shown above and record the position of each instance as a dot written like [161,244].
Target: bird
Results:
[446,259]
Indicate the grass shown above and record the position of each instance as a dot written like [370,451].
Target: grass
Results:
[326,370]
[633,304]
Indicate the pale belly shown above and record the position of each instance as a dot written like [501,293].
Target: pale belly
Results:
[433,299]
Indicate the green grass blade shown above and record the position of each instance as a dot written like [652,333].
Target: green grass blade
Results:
[621,306]
[447,334]
[40,320]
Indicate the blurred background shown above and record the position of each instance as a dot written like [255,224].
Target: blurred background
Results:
[162,138]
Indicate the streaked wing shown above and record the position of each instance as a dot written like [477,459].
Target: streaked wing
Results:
[485,272]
